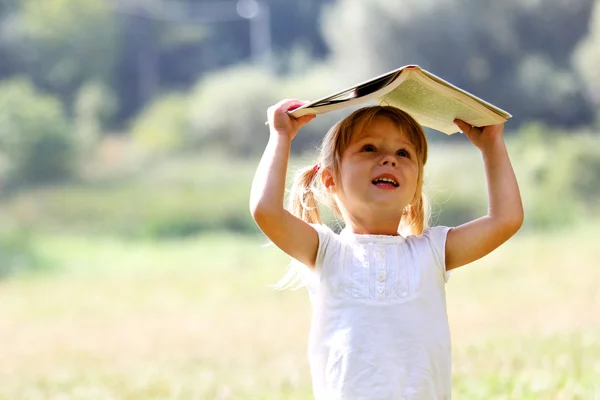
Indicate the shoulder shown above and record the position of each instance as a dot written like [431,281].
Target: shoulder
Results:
[431,245]
[325,233]
[433,236]
[329,243]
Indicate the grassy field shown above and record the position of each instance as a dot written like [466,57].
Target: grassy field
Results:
[196,319]
[131,317]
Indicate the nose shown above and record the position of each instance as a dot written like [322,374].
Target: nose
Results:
[388,160]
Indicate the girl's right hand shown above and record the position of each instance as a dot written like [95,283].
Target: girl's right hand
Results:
[280,121]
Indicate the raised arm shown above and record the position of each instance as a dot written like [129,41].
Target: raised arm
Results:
[477,238]
[288,232]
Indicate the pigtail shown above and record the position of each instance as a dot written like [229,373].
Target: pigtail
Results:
[302,201]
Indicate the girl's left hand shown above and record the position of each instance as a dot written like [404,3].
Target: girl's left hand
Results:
[483,136]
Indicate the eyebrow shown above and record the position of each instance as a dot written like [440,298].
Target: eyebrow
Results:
[366,137]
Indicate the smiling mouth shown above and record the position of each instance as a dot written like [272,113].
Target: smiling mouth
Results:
[385,182]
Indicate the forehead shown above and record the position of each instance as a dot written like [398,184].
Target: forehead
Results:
[381,128]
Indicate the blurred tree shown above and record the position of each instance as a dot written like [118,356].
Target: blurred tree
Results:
[510,52]
[162,53]
[17,252]
[181,48]
[163,126]
[515,53]
[136,80]
[297,24]
[558,187]
[34,134]
[8,28]
[228,109]
[587,59]
[95,106]
[67,43]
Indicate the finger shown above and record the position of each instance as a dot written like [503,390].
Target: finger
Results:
[494,129]
[303,120]
[284,106]
[463,126]
[280,107]
[289,104]
[295,105]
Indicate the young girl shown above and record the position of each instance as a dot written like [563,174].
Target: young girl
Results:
[379,327]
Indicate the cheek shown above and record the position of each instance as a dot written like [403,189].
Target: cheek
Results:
[353,174]
[348,169]
[414,169]
[412,175]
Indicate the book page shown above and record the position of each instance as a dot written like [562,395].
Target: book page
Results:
[426,75]
[364,89]
[434,109]
[357,94]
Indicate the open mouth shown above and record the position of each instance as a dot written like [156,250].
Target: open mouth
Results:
[385,182]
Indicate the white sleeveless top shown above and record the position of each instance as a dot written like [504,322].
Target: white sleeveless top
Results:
[379,327]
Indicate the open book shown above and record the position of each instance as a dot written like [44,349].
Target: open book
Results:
[432,101]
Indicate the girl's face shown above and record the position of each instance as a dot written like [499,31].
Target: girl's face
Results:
[378,172]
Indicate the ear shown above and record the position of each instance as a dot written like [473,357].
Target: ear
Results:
[327,179]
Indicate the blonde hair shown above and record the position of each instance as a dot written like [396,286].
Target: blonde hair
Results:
[307,190]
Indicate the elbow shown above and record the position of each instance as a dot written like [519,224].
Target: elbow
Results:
[258,206]
[266,219]
[254,207]
[258,215]
[519,219]
[516,225]
[513,224]
[262,213]
[256,211]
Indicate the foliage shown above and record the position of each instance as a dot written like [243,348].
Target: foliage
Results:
[163,127]
[498,50]
[312,84]
[455,183]
[95,105]
[228,109]
[34,134]
[17,253]
[173,197]
[516,54]
[587,58]
[559,175]
[68,43]
[201,38]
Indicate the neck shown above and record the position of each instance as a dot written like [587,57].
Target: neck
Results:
[373,225]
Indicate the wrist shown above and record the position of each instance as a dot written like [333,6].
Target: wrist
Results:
[279,135]
[278,139]
[492,144]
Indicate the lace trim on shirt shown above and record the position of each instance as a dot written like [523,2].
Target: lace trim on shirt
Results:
[366,238]
[378,271]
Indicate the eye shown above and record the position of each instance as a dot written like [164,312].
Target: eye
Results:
[368,148]
[403,153]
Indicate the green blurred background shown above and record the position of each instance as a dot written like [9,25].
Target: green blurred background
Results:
[130,267]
